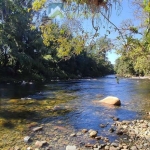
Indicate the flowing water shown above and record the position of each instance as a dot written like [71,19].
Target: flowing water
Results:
[70,104]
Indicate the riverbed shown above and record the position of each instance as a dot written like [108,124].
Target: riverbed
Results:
[63,108]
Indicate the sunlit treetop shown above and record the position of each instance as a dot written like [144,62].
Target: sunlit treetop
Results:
[146,5]
[82,5]
[96,10]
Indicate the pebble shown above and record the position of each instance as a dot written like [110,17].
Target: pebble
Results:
[37,129]
[84,130]
[103,125]
[26,139]
[136,132]
[68,147]
[40,143]
[16,148]
[73,134]
[133,148]
[114,144]
[93,133]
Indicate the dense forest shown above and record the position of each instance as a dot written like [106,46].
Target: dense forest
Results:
[55,51]
[48,51]
[135,49]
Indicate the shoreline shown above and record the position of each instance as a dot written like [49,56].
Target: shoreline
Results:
[132,135]
[145,77]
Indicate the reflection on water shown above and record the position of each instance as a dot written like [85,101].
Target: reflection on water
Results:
[72,102]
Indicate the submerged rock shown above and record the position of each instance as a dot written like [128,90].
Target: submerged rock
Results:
[37,128]
[84,130]
[40,143]
[70,147]
[111,100]
[93,133]
[27,139]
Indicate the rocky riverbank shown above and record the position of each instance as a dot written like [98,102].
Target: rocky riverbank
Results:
[132,135]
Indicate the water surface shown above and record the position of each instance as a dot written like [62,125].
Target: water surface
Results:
[69,103]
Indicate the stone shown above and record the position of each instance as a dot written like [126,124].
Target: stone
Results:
[73,134]
[90,130]
[106,147]
[103,125]
[115,119]
[89,145]
[84,130]
[27,139]
[111,100]
[133,148]
[113,148]
[16,148]
[69,147]
[30,148]
[37,129]
[115,144]
[93,133]
[96,148]
[40,143]
[98,137]
[148,124]
[111,130]
[79,133]
[119,132]
[106,139]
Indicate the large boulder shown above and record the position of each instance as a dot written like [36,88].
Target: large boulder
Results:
[111,100]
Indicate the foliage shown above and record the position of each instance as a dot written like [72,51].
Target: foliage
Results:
[62,40]
[135,54]
[47,52]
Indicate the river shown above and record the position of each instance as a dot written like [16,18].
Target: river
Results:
[70,104]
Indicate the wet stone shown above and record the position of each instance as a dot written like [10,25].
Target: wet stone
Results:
[73,134]
[114,144]
[79,133]
[111,130]
[16,148]
[84,130]
[29,148]
[68,147]
[40,143]
[113,148]
[106,147]
[103,125]
[96,149]
[37,129]
[27,139]
[93,133]
[115,118]
[133,148]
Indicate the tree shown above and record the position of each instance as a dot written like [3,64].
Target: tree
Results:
[25,45]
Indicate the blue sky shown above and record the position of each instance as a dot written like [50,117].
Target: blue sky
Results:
[126,13]
[117,16]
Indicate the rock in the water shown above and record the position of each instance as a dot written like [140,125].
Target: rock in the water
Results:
[26,139]
[111,130]
[73,134]
[103,125]
[111,100]
[16,148]
[133,148]
[84,130]
[37,128]
[93,133]
[115,118]
[40,143]
[70,147]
